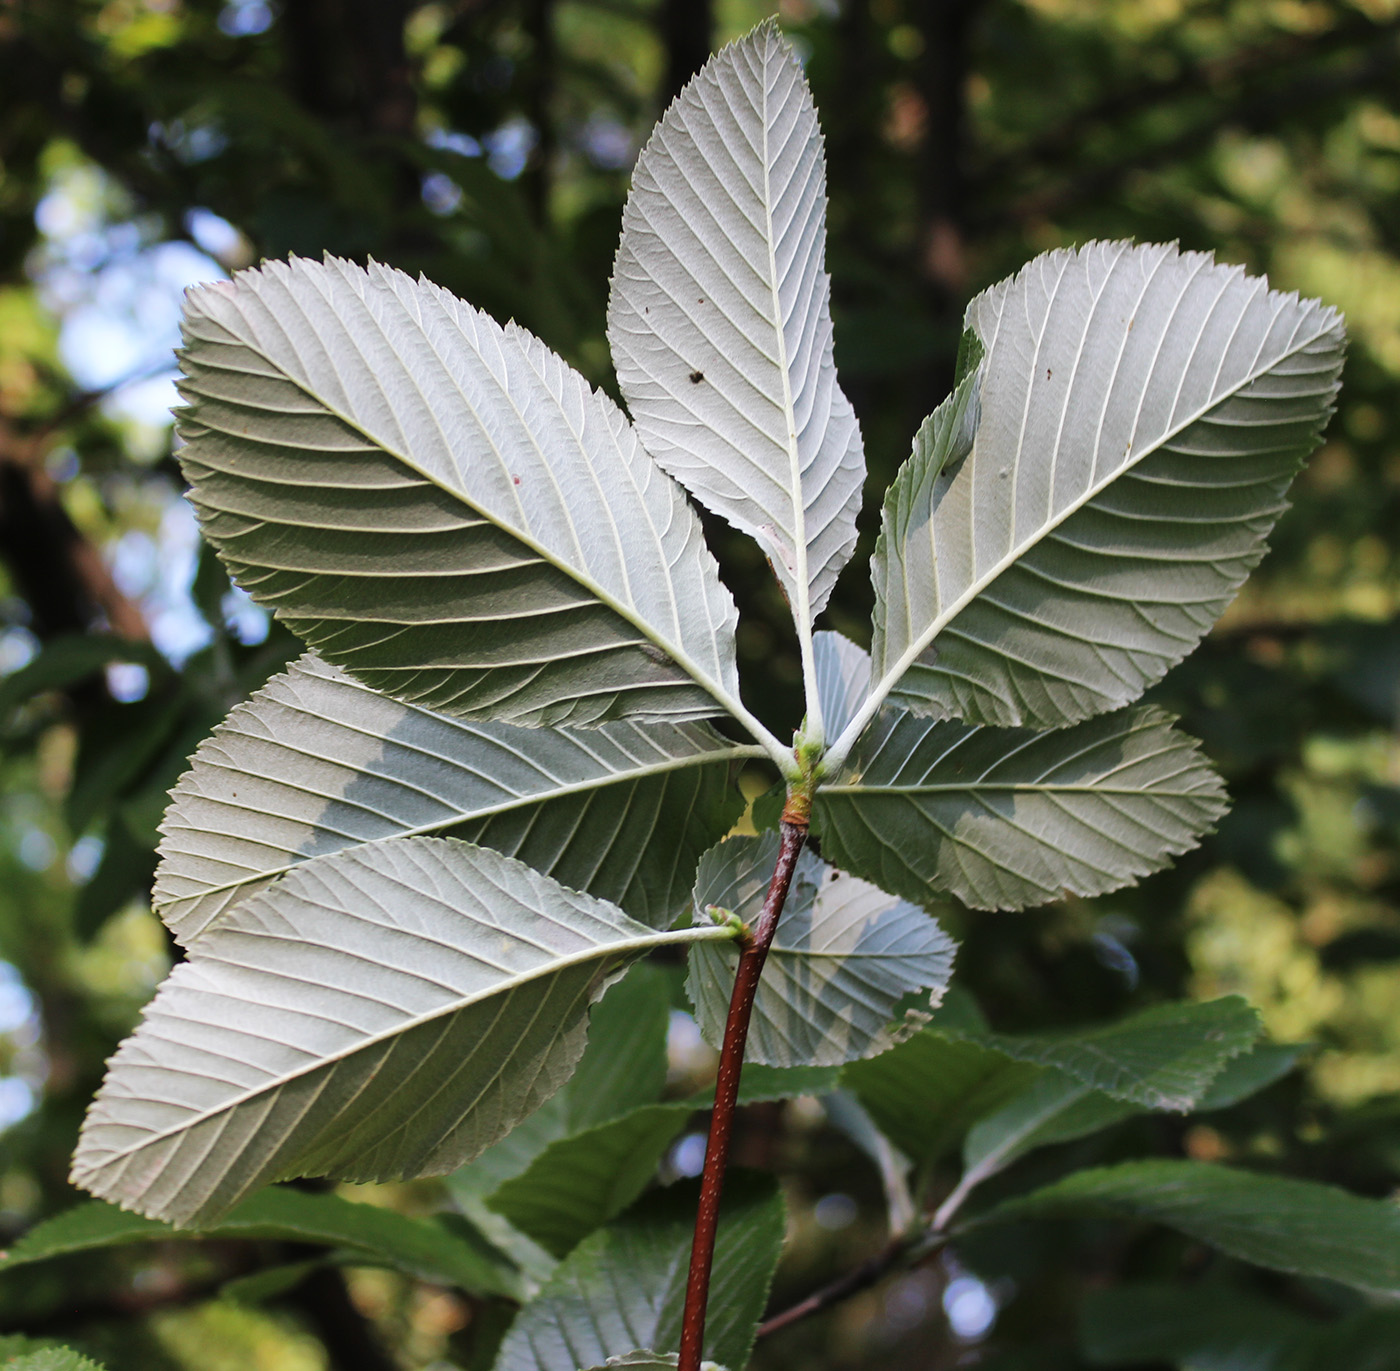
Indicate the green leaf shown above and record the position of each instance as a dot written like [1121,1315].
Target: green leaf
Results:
[316,762]
[720,319]
[622,1068]
[442,506]
[926,1093]
[1205,1327]
[930,1090]
[271,1283]
[653,1361]
[763,1084]
[51,1359]
[1250,1073]
[844,955]
[385,1012]
[624,1065]
[578,1183]
[1053,1108]
[1005,818]
[1165,1057]
[625,1284]
[421,1247]
[1142,413]
[1212,1328]
[759,1084]
[1286,1225]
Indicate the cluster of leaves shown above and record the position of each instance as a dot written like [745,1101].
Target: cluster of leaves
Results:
[1345,684]
[443,509]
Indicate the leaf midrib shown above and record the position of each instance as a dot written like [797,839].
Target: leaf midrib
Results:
[920,644]
[681,658]
[505,987]
[1140,792]
[803,608]
[518,802]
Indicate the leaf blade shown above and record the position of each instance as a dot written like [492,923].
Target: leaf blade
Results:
[579,1182]
[623,1287]
[368,455]
[1159,384]
[1164,1057]
[316,762]
[420,1247]
[1296,1226]
[1007,818]
[356,1019]
[843,956]
[719,318]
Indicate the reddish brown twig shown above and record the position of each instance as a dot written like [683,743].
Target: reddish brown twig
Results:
[736,1030]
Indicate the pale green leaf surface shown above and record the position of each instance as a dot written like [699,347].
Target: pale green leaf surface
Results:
[845,953]
[317,762]
[1007,818]
[1142,413]
[579,1182]
[622,1069]
[652,1361]
[720,320]
[904,566]
[842,678]
[623,1287]
[1286,1225]
[385,1012]
[442,506]
[422,1247]
[50,1359]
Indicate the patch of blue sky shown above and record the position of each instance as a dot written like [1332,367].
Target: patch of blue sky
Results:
[117,291]
[246,18]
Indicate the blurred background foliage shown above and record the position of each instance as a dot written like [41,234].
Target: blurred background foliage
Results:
[148,144]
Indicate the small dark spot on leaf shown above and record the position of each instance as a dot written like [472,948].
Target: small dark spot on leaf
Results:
[1047,373]
[696,377]
[516,479]
[699,299]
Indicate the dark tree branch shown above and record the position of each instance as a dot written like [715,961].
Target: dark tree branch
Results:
[869,1272]
[352,1343]
[940,76]
[687,31]
[897,1255]
[539,23]
[56,569]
